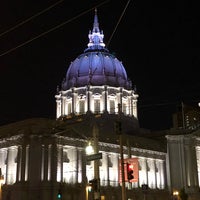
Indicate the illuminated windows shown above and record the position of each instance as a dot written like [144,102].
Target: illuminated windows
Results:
[96,106]
[82,106]
[112,106]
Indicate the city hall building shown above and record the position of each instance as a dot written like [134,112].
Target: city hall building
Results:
[96,105]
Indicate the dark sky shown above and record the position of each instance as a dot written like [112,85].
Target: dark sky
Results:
[157,41]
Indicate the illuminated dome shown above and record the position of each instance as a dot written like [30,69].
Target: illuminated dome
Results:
[96,83]
[96,66]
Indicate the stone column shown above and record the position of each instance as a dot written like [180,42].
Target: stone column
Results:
[105,99]
[34,161]
[130,112]
[191,164]
[162,174]
[58,107]
[104,169]
[60,163]
[42,162]
[7,167]
[116,162]
[53,162]
[19,163]
[155,174]
[198,162]
[10,170]
[73,162]
[24,163]
[88,99]
[134,108]
[147,169]
[46,159]
[73,101]
[120,98]
[49,161]
[107,165]
[3,157]
[115,169]
[63,105]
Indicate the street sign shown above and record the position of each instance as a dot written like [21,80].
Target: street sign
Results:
[94,157]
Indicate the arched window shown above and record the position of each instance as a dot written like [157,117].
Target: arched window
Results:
[97,106]
[112,106]
[124,108]
[82,106]
[69,108]
[97,103]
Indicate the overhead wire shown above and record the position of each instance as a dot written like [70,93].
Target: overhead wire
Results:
[52,29]
[30,18]
[117,23]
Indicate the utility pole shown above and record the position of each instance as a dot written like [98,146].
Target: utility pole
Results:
[121,154]
[96,162]
[183,114]
[129,156]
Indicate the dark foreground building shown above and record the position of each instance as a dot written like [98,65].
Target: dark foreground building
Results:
[44,159]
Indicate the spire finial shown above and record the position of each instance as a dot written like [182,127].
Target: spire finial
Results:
[96,37]
[96,23]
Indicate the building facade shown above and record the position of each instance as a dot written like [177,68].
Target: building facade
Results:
[183,169]
[46,159]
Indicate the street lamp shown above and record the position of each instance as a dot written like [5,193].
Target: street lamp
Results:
[89,149]
[175,195]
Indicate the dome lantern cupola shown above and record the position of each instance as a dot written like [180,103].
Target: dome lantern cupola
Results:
[95,37]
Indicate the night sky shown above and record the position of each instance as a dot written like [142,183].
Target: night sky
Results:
[157,42]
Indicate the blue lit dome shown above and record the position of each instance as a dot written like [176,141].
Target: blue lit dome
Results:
[96,66]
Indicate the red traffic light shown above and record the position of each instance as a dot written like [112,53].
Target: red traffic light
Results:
[129,171]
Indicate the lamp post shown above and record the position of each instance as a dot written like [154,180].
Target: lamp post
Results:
[93,150]
[121,153]
[88,151]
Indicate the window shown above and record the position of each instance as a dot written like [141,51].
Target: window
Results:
[69,108]
[97,106]
[112,106]
[124,108]
[81,106]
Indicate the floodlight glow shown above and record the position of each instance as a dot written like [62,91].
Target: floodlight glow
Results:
[89,149]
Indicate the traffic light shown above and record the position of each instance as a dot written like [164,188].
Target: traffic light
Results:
[129,171]
[59,195]
[144,187]
[93,184]
[118,127]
